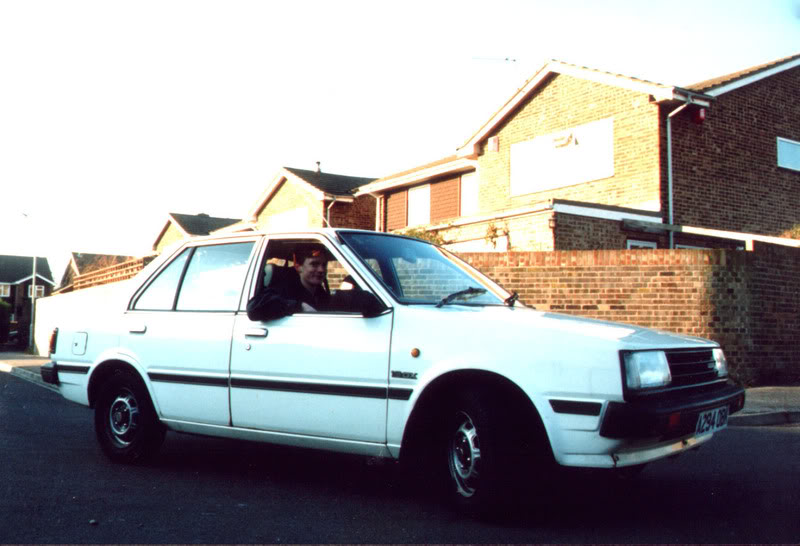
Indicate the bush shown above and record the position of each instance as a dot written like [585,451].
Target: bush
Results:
[422,233]
[5,320]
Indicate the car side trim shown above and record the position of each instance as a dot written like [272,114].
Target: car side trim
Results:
[322,388]
[213,381]
[576,408]
[70,368]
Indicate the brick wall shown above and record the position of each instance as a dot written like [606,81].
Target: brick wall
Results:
[565,102]
[290,197]
[725,170]
[747,301]
[360,214]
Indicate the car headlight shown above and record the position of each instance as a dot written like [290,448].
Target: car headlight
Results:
[646,369]
[720,363]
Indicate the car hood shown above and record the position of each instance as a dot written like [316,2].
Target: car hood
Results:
[545,327]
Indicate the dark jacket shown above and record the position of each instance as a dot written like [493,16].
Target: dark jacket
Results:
[284,296]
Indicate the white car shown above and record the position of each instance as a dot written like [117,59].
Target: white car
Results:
[419,357]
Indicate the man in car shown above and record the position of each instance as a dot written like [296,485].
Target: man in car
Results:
[293,290]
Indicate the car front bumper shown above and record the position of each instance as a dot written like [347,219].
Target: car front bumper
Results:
[666,417]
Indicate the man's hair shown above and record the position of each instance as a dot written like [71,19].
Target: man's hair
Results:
[302,253]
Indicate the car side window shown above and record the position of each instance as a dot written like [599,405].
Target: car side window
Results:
[160,295]
[214,278]
[212,281]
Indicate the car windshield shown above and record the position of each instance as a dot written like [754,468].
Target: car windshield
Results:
[417,272]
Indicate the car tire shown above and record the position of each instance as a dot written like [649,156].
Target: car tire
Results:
[126,424]
[486,458]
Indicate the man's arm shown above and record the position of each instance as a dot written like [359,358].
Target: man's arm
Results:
[270,304]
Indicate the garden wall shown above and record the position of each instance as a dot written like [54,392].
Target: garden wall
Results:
[747,301]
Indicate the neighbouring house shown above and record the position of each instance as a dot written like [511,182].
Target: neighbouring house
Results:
[299,198]
[81,263]
[183,226]
[581,159]
[16,288]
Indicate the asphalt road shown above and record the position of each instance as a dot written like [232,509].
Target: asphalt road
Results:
[55,486]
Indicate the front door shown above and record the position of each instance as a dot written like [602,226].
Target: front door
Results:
[316,374]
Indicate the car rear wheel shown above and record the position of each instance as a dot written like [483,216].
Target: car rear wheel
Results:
[126,424]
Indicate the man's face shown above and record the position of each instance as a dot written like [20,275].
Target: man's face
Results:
[312,271]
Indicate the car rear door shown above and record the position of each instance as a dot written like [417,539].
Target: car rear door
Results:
[179,330]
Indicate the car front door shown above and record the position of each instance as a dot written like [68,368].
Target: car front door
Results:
[322,374]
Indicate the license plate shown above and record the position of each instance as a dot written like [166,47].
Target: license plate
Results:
[712,421]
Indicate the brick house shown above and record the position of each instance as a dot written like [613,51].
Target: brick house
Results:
[580,159]
[16,274]
[298,198]
[81,263]
[183,226]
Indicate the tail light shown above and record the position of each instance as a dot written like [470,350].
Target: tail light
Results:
[53,340]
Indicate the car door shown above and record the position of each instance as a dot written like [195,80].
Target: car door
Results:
[179,330]
[322,374]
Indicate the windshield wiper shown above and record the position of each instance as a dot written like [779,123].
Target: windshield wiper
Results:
[466,292]
[510,300]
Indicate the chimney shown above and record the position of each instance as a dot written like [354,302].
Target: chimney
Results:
[318,169]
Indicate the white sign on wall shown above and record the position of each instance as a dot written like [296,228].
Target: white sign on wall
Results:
[580,154]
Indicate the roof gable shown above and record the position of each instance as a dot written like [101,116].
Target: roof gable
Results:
[17,269]
[200,224]
[729,82]
[334,184]
[320,184]
[659,92]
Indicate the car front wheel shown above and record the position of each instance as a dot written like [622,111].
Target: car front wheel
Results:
[126,424]
[485,458]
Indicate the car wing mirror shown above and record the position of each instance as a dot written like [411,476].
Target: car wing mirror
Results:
[368,304]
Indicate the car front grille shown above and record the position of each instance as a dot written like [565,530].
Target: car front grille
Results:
[691,366]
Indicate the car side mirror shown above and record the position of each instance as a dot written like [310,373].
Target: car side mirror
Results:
[368,304]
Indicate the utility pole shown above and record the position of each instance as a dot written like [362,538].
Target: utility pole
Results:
[31,343]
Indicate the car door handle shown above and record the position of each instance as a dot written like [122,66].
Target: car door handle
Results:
[256,332]
[138,329]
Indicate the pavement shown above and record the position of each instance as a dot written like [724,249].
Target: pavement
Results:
[764,406]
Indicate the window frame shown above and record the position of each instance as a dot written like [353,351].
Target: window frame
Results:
[5,290]
[473,195]
[190,249]
[639,244]
[39,288]
[793,163]
[412,220]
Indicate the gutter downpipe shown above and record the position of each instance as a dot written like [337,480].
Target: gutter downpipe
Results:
[669,168]
[328,211]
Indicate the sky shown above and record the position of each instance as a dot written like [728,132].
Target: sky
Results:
[115,113]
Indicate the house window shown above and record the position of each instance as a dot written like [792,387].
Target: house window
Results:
[39,290]
[419,205]
[788,154]
[5,290]
[690,247]
[469,193]
[633,244]
[555,160]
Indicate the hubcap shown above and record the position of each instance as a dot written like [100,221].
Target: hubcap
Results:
[464,456]
[123,418]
